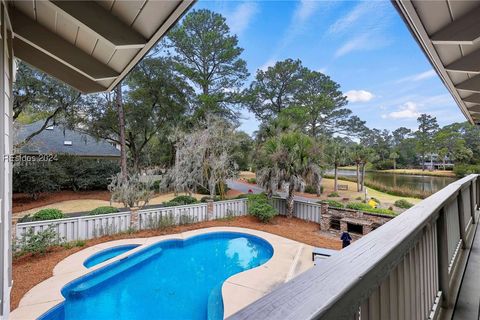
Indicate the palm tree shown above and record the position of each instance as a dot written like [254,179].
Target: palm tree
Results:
[394,156]
[356,156]
[290,158]
[337,155]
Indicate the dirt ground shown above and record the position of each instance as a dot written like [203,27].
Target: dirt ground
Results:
[30,270]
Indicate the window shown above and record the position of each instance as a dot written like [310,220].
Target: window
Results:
[67,143]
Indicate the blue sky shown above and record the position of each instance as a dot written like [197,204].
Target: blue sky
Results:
[364,46]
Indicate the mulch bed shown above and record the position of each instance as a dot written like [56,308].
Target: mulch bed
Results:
[29,270]
[22,202]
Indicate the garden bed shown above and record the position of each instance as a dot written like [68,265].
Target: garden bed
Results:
[30,270]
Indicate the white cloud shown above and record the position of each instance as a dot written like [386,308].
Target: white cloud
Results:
[359,96]
[419,76]
[323,70]
[349,19]
[240,18]
[407,111]
[269,63]
[360,42]
[305,10]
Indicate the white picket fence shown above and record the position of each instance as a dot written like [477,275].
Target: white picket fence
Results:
[89,227]
[230,208]
[80,228]
[153,218]
[309,211]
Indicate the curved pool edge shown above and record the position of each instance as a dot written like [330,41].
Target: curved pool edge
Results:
[238,290]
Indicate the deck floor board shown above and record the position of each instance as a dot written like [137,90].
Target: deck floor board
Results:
[468,302]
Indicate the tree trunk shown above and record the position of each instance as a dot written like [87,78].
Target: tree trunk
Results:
[121,125]
[394,164]
[358,177]
[290,197]
[423,162]
[319,186]
[335,184]
[363,177]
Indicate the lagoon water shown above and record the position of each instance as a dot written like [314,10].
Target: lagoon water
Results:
[429,184]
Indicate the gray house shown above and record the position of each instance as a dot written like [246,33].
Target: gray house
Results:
[59,140]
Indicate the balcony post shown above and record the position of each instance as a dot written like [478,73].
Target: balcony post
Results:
[461,218]
[477,181]
[444,280]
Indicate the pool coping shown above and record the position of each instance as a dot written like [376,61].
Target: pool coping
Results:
[289,259]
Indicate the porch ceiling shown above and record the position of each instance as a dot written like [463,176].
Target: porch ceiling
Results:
[90,45]
[449,33]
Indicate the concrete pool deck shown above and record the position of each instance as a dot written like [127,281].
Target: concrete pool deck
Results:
[289,259]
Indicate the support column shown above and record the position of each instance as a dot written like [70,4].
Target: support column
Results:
[210,213]
[325,222]
[134,221]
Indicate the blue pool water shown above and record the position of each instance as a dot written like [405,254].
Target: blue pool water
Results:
[107,254]
[172,279]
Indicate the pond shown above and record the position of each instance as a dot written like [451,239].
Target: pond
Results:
[429,184]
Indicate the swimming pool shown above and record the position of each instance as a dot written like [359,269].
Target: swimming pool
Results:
[108,254]
[172,279]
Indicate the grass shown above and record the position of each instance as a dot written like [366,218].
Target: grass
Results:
[366,208]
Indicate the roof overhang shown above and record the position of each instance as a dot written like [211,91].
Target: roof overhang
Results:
[90,45]
[449,34]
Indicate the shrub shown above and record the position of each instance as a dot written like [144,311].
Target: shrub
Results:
[376,200]
[242,196]
[35,179]
[186,219]
[262,211]
[36,243]
[73,244]
[86,174]
[171,204]
[69,173]
[367,208]
[312,189]
[156,185]
[204,199]
[383,164]
[180,201]
[185,199]
[259,207]
[462,170]
[333,203]
[131,191]
[48,214]
[252,180]
[161,222]
[103,210]
[404,204]
[333,194]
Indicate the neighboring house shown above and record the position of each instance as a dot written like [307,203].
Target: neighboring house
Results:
[57,139]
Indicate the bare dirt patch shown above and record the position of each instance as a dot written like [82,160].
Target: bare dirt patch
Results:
[29,270]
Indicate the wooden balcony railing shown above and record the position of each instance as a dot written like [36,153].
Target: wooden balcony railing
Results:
[410,268]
